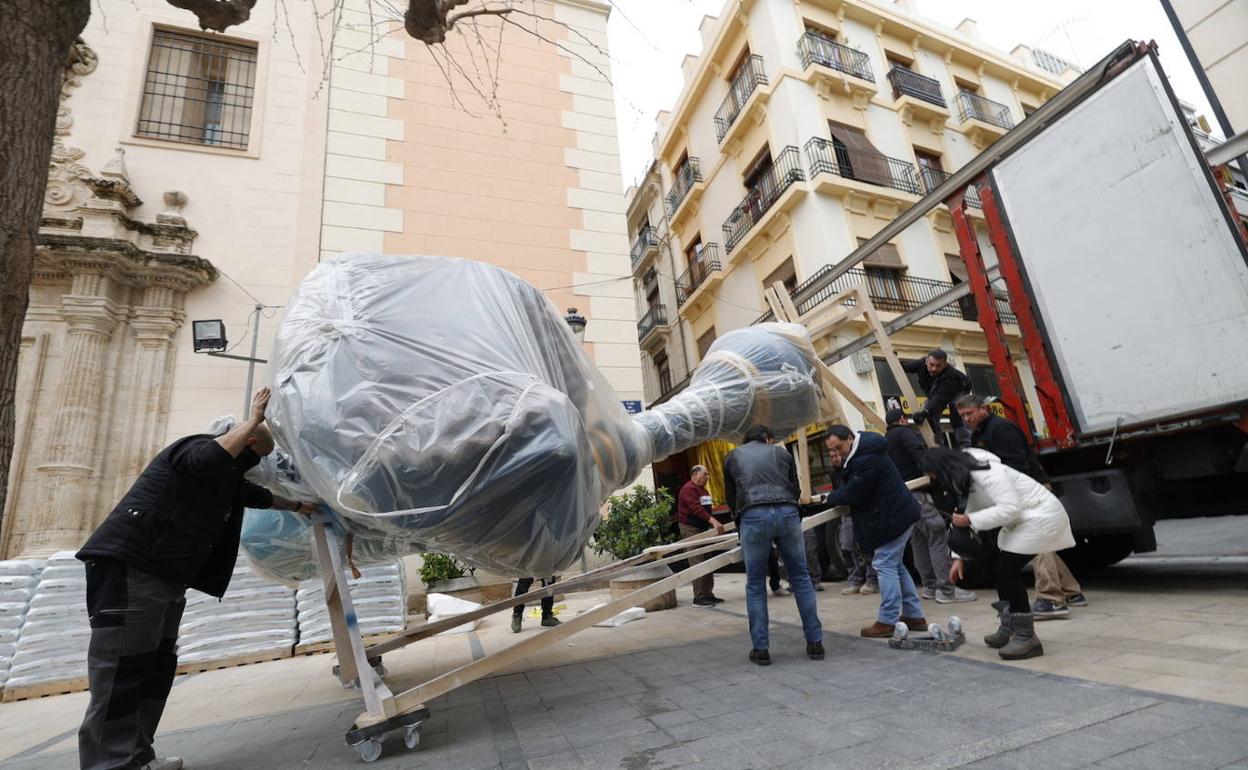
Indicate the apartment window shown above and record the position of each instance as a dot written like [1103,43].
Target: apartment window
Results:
[885,277]
[739,67]
[652,296]
[958,275]
[198,90]
[889,388]
[826,33]
[898,61]
[928,160]
[664,370]
[705,342]
[983,380]
[785,274]
[857,158]
[966,85]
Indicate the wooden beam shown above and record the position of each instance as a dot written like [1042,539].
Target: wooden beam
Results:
[890,358]
[803,465]
[772,298]
[868,414]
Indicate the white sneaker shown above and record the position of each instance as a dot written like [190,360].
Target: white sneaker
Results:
[847,590]
[164,763]
[869,589]
[957,596]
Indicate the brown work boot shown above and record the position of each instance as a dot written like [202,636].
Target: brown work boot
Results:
[877,630]
[915,624]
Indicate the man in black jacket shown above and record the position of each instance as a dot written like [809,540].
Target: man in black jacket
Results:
[884,512]
[177,527]
[1057,590]
[760,481]
[929,542]
[942,384]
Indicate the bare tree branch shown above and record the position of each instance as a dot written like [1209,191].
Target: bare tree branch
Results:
[217,15]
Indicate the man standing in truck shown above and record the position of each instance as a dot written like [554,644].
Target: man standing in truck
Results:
[942,384]
[1057,590]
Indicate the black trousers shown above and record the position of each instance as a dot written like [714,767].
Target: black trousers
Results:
[523,586]
[131,662]
[1007,566]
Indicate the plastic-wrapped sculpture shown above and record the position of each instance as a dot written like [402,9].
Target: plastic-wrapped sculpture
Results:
[440,404]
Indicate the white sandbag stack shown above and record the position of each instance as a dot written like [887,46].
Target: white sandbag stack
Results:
[55,633]
[255,617]
[379,596]
[18,578]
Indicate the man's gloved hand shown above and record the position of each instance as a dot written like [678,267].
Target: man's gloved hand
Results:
[920,416]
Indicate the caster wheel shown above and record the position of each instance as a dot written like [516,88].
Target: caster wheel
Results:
[369,750]
[411,737]
[955,625]
[937,633]
[901,630]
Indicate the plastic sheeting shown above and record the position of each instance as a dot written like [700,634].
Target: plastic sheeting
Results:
[439,404]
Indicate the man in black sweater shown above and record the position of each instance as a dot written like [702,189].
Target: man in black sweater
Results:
[178,527]
[1056,587]
[942,384]
[929,541]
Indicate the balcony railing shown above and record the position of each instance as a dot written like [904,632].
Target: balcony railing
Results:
[934,177]
[655,317]
[827,157]
[909,83]
[703,265]
[688,175]
[975,107]
[784,171]
[646,239]
[749,78]
[900,294]
[817,49]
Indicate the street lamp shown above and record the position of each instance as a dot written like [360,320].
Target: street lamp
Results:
[578,323]
[209,337]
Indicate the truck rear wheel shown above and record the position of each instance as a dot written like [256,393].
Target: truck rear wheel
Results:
[1100,551]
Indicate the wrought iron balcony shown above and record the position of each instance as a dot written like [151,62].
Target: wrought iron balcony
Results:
[706,263]
[688,175]
[646,240]
[748,79]
[907,83]
[934,177]
[898,294]
[655,317]
[817,49]
[975,107]
[827,157]
[785,170]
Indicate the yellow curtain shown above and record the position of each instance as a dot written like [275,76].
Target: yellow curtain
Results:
[712,454]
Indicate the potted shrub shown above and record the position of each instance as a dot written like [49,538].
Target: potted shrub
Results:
[635,521]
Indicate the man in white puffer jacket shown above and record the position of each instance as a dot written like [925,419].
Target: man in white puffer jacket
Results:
[984,494]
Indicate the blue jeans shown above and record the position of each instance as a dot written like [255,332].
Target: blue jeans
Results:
[898,596]
[761,526]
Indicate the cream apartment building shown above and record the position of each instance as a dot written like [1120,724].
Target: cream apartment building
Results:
[801,130]
[195,176]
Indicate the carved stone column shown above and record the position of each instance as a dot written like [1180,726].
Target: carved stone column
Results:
[62,518]
[155,323]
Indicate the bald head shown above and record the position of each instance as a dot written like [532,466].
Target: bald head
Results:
[261,440]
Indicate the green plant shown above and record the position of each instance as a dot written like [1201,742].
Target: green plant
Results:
[636,520]
[440,567]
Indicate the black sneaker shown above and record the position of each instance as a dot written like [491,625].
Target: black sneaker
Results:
[1044,609]
[761,657]
[717,600]
[775,588]
[550,621]
[814,650]
[703,601]
[1078,600]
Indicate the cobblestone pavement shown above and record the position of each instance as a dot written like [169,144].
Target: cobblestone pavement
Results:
[701,703]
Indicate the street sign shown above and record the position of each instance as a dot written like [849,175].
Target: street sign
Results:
[632,407]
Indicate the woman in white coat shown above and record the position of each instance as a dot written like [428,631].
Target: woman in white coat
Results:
[984,494]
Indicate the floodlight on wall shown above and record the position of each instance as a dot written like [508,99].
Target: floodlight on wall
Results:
[209,336]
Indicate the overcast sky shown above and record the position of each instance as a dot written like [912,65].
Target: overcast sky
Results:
[649,39]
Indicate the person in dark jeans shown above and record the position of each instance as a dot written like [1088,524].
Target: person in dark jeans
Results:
[523,586]
[942,384]
[760,480]
[177,527]
[983,494]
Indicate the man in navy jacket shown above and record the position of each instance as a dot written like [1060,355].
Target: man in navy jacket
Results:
[884,513]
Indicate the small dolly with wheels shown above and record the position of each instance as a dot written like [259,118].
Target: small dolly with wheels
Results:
[937,639]
[367,741]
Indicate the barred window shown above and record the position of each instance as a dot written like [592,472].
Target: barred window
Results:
[198,90]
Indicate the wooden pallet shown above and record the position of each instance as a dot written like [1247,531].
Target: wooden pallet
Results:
[44,689]
[244,659]
[317,648]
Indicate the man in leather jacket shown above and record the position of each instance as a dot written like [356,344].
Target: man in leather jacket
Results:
[177,527]
[761,485]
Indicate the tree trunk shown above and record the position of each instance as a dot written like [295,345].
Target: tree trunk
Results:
[35,38]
